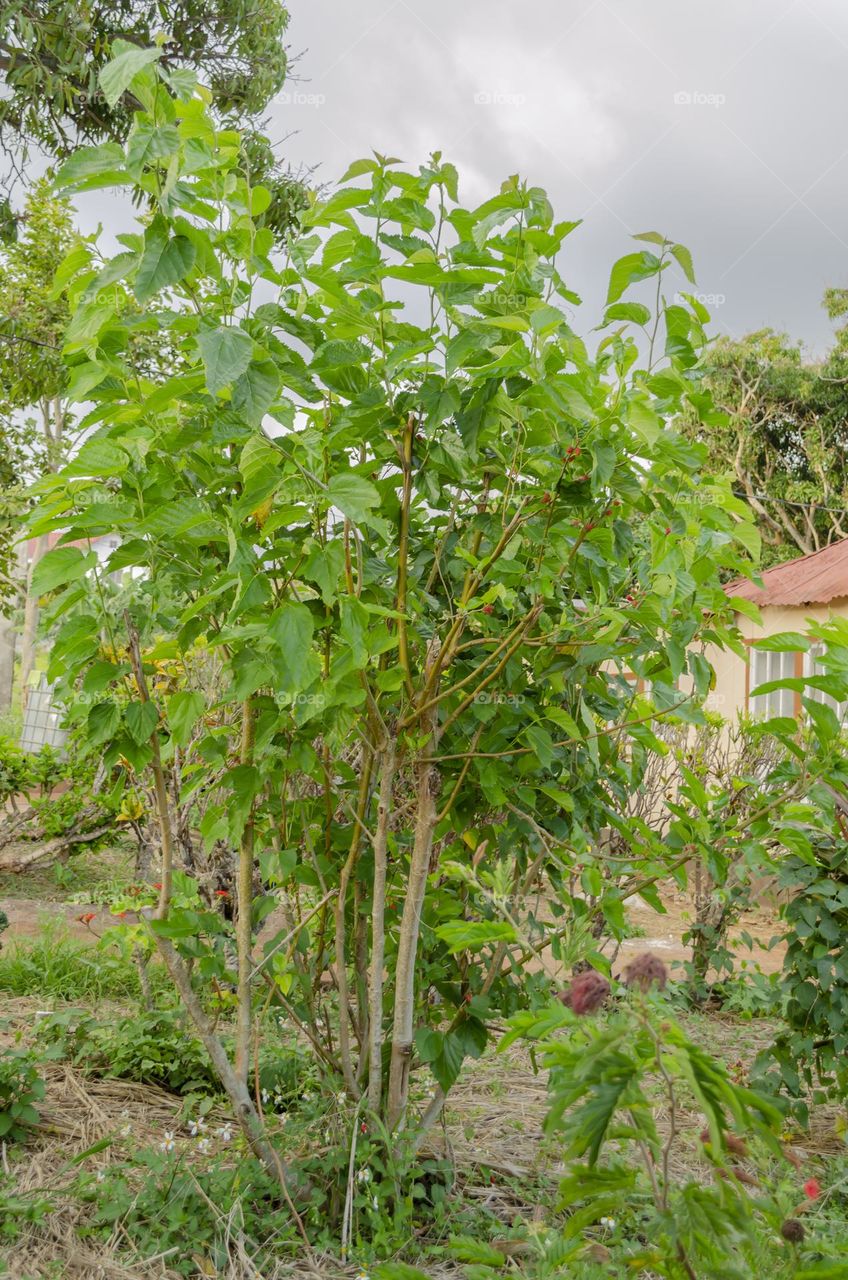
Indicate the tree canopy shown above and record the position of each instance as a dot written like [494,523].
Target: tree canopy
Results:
[52,55]
[781,434]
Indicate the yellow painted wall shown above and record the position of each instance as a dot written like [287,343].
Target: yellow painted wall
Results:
[728,697]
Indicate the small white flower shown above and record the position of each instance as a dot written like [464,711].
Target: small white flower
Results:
[100,1176]
[307,1096]
[126,1130]
[363,1276]
[609,1223]
[168,1144]
[376,1203]
[364,1175]
[203,1146]
[226,1134]
[265,1095]
[196,1127]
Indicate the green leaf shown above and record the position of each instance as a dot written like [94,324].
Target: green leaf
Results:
[635,311]
[784,642]
[684,257]
[226,353]
[471,935]
[470,1249]
[353,495]
[291,630]
[342,365]
[117,76]
[164,262]
[357,168]
[103,721]
[399,1271]
[256,390]
[59,567]
[141,719]
[630,269]
[89,164]
[183,711]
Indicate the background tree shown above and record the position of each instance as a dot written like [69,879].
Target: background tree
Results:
[33,387]
[52,54]
[782,436]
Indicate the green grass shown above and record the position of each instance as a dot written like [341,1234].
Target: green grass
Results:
[55,966]
[90,872]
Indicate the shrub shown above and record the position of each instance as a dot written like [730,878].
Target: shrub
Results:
[151,1048]
[629,1085]
[21,1087]
[154,1047]
[812,1053]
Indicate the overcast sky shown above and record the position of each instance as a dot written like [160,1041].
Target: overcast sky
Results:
[721,123]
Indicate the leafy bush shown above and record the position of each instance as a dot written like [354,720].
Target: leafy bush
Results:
[152,1048]
[812,1053]
[21,1087]
[15,774]
[160,1204]
[630,1084]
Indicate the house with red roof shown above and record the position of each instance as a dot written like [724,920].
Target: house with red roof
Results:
[788,596]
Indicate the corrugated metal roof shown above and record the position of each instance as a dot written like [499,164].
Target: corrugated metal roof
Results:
[814,579]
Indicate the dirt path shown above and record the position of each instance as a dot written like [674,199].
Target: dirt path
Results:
[657,932]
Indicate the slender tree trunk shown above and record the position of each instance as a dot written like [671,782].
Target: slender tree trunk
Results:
[53,426]
[244,909]
[234,1087]
[378,930]
[30,627]
[7,662]
[419,870]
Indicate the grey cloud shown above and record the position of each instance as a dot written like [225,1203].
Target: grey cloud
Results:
[719,124]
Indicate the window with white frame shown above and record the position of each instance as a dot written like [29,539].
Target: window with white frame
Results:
[813,667]
[766,667]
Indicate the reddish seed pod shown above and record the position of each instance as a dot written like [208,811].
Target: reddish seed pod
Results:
[587,992]
[488,609]
[793,1231]
[546,498]
[646,971]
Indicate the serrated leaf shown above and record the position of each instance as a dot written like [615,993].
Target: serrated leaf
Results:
[353,495]
[164,262]
[630,269]
[141,719]
[256,390]
[184,710]
[59,567]
[117,76]
[684,258]
[291,630]
[226,353]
